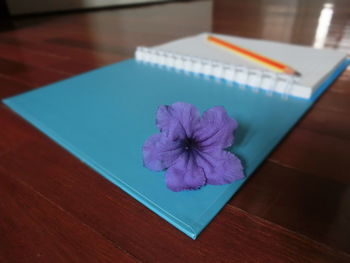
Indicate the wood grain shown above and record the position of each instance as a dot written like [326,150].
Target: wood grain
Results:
[54,208]
[34,229]
[315,207]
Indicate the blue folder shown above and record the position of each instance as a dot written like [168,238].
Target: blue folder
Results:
[103,117]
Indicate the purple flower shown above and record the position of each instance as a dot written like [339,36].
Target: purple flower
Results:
[192,148]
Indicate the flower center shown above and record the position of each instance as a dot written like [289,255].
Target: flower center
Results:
[189,144]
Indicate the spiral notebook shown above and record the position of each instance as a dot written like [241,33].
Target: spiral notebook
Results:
[196,55]
[104,116]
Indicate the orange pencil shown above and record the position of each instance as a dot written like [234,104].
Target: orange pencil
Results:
[267,62]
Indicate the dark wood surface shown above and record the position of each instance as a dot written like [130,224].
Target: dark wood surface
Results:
[53,208]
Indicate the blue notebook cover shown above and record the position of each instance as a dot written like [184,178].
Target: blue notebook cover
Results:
[103,117]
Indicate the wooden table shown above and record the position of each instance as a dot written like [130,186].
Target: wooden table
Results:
[53,208]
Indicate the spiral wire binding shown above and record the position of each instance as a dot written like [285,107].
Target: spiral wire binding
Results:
[242,75]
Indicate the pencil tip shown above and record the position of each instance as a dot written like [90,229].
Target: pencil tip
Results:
[291,71]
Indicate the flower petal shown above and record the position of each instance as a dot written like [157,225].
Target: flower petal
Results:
[216,129]
[220,167]
[159,152]
[185,174]
[178,120]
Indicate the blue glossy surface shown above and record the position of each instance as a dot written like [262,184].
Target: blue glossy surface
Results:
[104,116]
